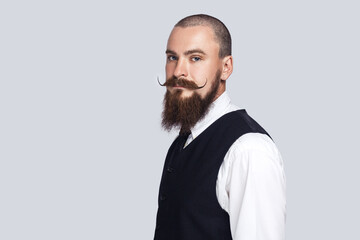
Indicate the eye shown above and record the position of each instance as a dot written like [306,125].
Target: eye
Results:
[195,59]
[171,58]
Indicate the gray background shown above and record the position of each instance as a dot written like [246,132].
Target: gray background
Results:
[81,148]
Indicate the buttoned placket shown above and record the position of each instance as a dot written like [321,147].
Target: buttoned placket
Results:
[170,170]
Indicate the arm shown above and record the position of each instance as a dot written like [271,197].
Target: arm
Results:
[251,188]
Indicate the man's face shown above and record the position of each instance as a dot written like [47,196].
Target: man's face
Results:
[193,54]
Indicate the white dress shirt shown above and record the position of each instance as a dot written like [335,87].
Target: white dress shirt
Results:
[250,185]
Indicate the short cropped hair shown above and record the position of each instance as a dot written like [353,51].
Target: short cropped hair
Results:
[222,34]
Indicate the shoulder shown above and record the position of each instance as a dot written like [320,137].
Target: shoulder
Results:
[254,142]
[254,147]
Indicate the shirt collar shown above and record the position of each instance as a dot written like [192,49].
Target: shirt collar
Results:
[216,110]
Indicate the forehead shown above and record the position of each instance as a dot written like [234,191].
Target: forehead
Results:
[183,39]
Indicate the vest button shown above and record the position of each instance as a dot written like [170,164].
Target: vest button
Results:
[162,197]
[170,169]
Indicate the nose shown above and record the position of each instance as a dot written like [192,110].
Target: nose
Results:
[181,69]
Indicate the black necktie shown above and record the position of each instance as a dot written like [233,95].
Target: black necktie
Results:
[182,140]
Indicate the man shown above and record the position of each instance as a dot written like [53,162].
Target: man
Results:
[223,176]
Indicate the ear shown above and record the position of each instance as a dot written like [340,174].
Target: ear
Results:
[227,67]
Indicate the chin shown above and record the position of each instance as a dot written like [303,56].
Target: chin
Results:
[186,93]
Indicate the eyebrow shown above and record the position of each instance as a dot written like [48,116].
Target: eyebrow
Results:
[188,52]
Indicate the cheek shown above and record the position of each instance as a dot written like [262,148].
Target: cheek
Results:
[198,76]
[169,69]
[201,72]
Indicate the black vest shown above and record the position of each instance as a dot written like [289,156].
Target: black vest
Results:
[188,205]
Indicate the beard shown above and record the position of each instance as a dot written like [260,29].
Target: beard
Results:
[184,113]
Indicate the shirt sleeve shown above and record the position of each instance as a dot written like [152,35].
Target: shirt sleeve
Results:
[251,188]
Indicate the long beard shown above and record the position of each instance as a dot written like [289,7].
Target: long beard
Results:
[184,113]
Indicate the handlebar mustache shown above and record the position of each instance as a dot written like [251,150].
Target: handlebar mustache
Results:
[181,82]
